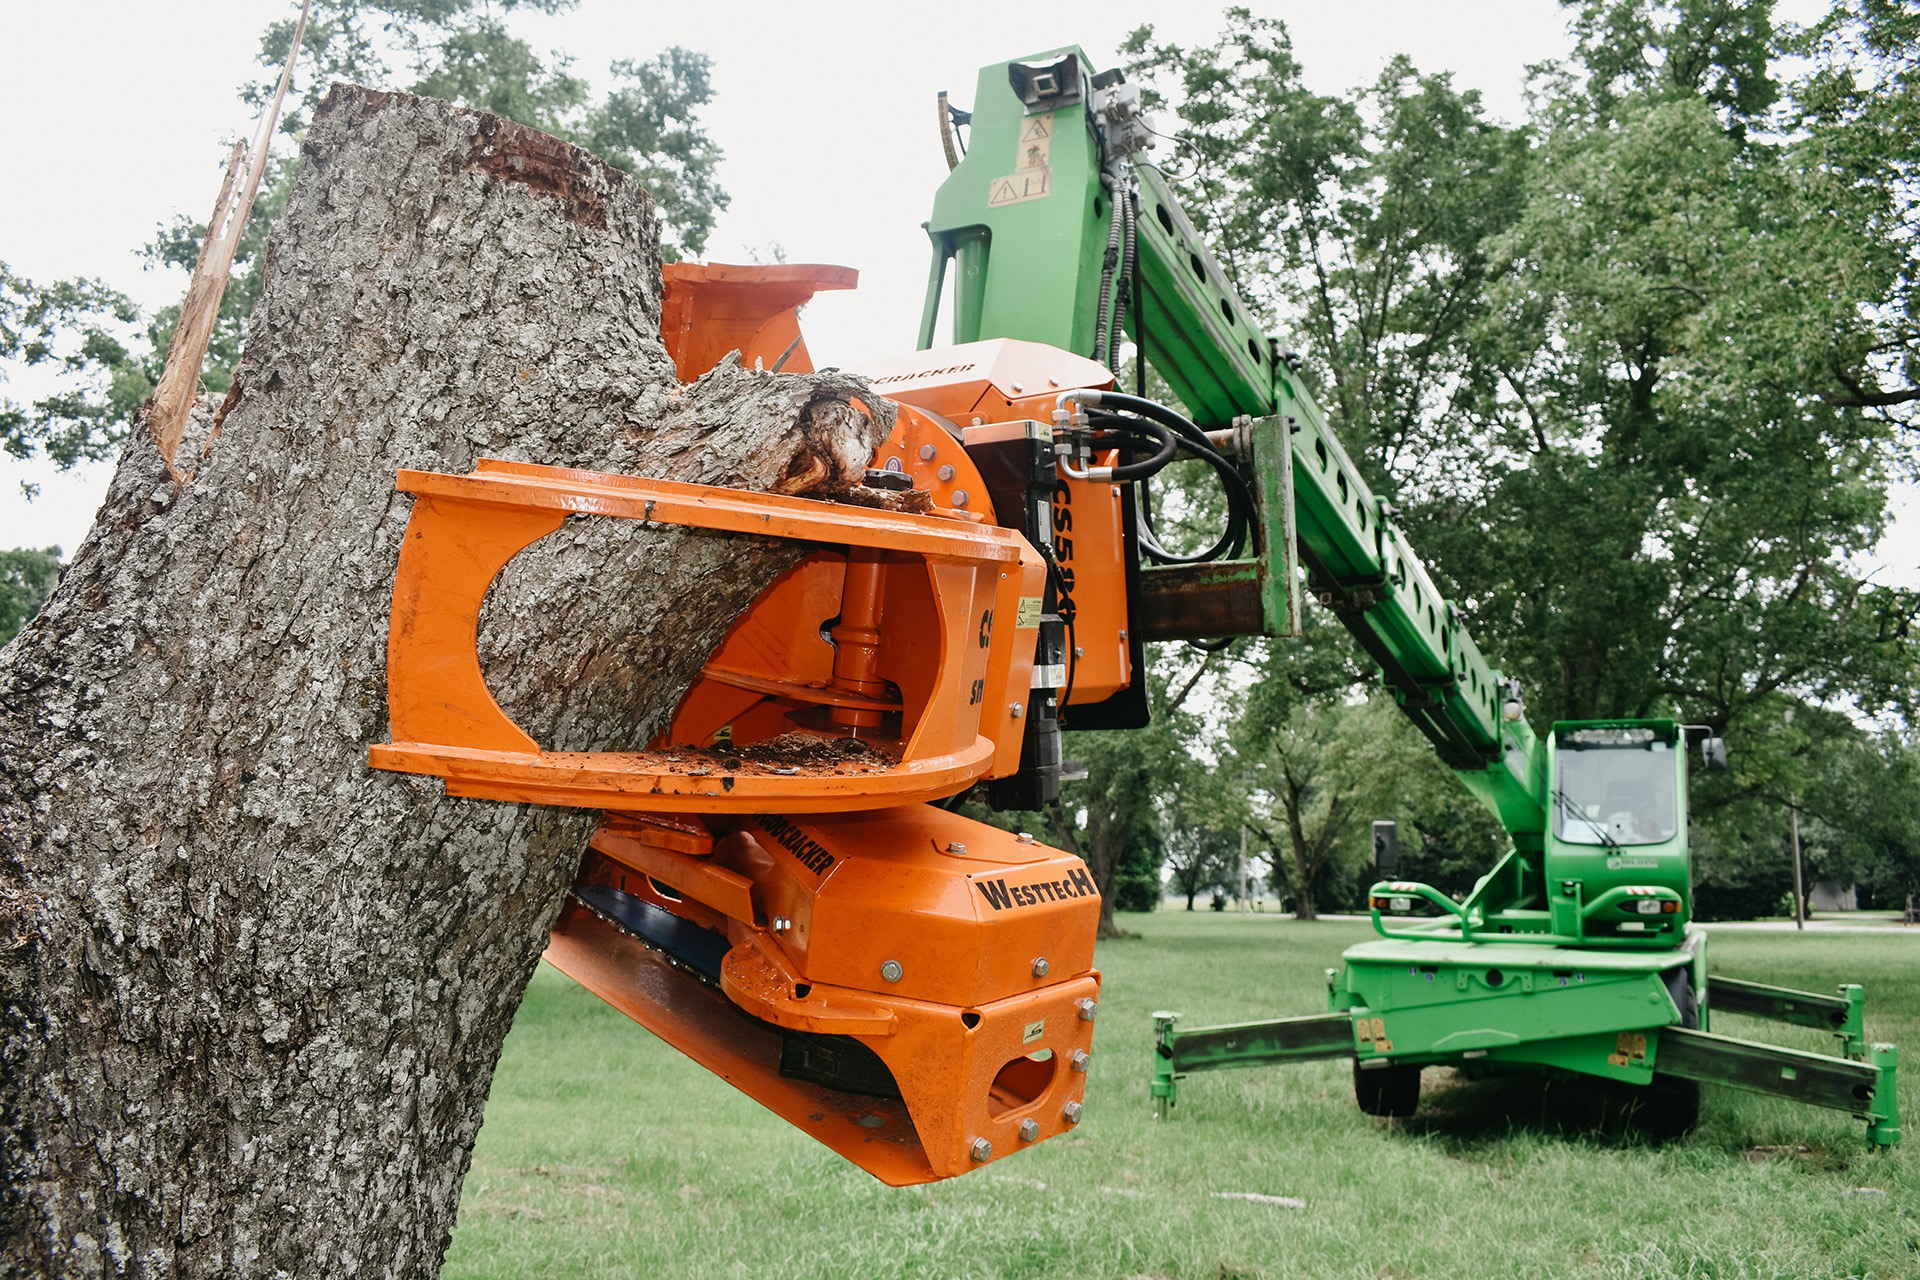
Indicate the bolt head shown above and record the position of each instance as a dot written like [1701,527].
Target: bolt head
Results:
[1040,967]
[1079,1060]
[927,452]
[1023,837]
[891,970]
[1089,1010]
[781,924]
[1017,709]
[946,470]
[980,1150]
[1029,1130]
[1071,1112]
[955,847]
[959,497]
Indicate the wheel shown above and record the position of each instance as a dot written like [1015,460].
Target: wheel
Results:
[1669,1108]
[1392,1090]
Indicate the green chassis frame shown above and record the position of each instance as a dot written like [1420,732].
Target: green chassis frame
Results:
[1585,1011]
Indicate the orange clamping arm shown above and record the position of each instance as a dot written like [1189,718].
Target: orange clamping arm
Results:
[464,530]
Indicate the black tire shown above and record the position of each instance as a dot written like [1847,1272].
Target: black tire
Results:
[1669,1108]
[1392,1090]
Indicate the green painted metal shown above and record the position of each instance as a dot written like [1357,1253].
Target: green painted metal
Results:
[1250,1044]
[1844,1014]
[1025,267]
[1863,1089]
[1606,1013]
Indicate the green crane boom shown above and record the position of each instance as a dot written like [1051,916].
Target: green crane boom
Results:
[1575,953]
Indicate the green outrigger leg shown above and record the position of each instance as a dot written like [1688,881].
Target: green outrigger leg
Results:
[1555,1009]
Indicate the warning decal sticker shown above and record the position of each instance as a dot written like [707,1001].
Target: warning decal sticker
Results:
[1032,176]
[1028,184]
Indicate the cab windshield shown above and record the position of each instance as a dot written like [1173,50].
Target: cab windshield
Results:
[1616,787]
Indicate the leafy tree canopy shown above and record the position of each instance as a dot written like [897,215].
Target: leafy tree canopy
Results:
[26,579]
[106,357]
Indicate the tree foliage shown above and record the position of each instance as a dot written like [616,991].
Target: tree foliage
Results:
[107,357]
[26,579]
[1636,374]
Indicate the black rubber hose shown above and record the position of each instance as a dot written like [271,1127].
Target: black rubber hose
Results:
[1240,514]
[1240,505]
[1167,445]
[1109,263]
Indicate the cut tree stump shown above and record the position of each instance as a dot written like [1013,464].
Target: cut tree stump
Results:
[254,990]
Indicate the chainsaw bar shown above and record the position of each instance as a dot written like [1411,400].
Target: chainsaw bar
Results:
[699,951]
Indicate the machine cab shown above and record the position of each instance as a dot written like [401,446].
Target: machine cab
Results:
[1616,847]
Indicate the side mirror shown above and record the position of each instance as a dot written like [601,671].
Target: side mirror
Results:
[1713,752]
[1386,846]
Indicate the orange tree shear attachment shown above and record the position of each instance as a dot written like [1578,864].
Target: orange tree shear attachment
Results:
[464,530]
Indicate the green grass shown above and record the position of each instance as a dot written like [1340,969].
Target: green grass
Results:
[607,1154]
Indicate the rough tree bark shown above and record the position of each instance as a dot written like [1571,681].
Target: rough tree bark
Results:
[254,991]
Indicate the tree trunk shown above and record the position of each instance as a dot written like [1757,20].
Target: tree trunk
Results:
[254,990]
[1105,846]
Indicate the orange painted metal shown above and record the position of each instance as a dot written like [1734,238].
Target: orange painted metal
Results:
[711,308]
[464,529]
[992,390]
[959,955]
[915,932]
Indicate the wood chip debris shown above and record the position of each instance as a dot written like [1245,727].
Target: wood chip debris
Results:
[1257,1197]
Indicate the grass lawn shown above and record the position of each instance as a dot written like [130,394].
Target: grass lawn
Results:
[607,1154]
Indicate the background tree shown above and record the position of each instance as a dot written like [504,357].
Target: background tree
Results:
[645,122]
[1634,374]
[26,579]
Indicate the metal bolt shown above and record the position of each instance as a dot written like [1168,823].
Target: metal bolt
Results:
[1072,1112]
[1017,710]
[1040,967]
[1017,388]
[946,470]
[981,1150]
[1079,1060]
[1023,837]
[891,970]
[926,452]
[959,497]
[1079,652]
[781,924]
[1029,1130]
[955,847]
[1089,1010]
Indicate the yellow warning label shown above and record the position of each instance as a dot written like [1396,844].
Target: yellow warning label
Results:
[1029,614]
[1034,1031]
[1016,188]
[1037,129]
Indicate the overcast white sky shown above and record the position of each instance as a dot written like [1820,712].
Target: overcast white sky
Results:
[119,112]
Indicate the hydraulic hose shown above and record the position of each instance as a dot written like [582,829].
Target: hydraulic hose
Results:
[1131,431]
[1240,506]
[1108,264]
